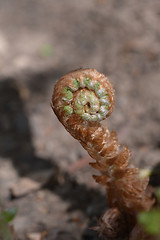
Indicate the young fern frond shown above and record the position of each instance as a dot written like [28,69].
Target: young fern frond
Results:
[81,99]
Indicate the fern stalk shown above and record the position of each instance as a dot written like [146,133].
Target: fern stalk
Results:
[81,99]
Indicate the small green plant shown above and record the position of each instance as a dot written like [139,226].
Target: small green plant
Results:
[150,221]
[6,216]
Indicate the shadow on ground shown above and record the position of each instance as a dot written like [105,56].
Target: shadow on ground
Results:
[15,137]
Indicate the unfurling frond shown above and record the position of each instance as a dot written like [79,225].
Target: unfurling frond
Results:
[81,99]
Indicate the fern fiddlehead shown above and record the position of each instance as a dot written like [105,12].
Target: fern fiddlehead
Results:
[81,99]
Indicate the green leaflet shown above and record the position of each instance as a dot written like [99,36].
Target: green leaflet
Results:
[76,84]
[87,81]
[68,95]
[97,86]
[68,109]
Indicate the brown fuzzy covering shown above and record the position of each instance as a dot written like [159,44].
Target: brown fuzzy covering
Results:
[127,193]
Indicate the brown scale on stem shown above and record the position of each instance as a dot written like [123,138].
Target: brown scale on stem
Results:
[81,99]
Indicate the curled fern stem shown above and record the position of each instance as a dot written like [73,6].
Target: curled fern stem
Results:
[81,99]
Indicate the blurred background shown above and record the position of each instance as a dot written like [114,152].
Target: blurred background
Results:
[44,172]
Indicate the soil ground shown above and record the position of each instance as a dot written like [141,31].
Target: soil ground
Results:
[44,172]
